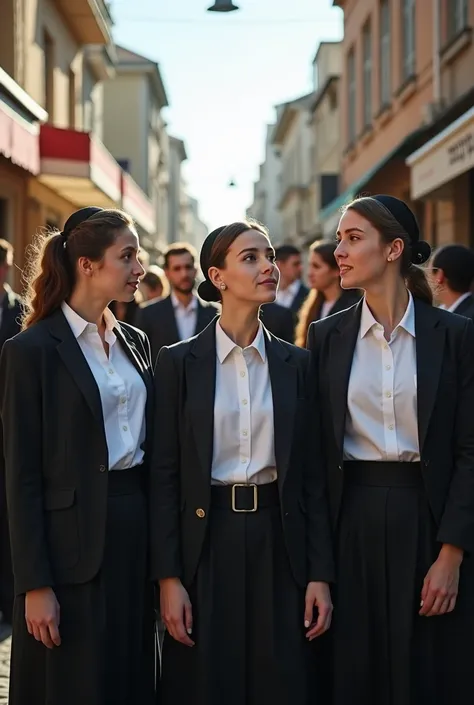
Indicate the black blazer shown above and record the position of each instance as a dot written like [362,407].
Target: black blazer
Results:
[279,320]
[348,298]
[55,451]
[11,316]
[445,384]
[466,308]
[183,447]
[159,322]
[299,299]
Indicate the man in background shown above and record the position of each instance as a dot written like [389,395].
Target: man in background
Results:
[291,291]
[181,314]
[453,275]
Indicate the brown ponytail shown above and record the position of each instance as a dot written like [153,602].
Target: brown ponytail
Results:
[417,283]
[50,273]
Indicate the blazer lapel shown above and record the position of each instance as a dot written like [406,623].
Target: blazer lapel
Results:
[201,318]
[284,384]
[430,338]
[341,351]
[73,358]
[200,373]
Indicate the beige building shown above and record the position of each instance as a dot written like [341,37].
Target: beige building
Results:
[176,189]
[407,92]
[326,153]
[293,137]
[266,190]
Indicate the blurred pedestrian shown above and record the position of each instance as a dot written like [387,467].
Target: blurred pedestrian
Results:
[75,404]
[453,274]
[326,295]
[154,285]
[240,533]
[397,384]
[181,314]
[291,291]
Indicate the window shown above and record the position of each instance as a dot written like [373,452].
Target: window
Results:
[408,38]
[351,97]
[72,99]
[48,74]
[457,16]
[385,54]
[367,43]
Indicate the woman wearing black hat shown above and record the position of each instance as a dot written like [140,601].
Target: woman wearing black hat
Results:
[75,402]
[397,384]
[240,532]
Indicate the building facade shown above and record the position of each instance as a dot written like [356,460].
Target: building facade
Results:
[407,79]
[266,190]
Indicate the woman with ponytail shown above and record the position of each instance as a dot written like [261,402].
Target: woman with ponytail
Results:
[75,406]
[396,379]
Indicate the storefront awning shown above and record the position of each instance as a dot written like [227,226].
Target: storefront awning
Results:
[448,155]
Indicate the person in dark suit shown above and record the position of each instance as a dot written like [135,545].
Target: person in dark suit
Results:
[397,385]
[10,325]
[291,291]
[181,314]
[76,399]
[453,273]
[326,296]
[278,320]
[240,534]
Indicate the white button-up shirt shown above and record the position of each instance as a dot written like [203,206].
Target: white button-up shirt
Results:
[122,391]
[382,421]
[285,297]
[186,316]
[244,449]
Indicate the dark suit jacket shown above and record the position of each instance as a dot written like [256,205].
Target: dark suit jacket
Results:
[181,467]
[55,451]
[299,299]
[159,322]
[466,308]
[11,314]
[348,298]
[279,320]
[445,384]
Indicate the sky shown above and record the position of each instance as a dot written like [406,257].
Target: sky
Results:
[223,75]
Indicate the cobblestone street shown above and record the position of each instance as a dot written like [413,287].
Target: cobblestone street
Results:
[4,666]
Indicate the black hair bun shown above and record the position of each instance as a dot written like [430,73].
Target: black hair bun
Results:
[208,292]
[421,252]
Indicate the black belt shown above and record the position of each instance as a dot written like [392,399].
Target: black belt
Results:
[245,498]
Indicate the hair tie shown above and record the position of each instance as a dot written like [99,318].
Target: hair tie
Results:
[420,252]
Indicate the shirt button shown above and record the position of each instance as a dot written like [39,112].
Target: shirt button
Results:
[391,427]
[123,400]
[388,394]
[245,432]
[242,374]
[388,367]
[125,428]
[111,371]
[244,402]
[243,460]
[101,468]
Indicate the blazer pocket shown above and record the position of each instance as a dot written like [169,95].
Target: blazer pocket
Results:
[62,527]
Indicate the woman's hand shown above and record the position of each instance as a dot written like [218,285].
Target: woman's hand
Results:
[440,587]
[319,596]
[42,616]
[176,610]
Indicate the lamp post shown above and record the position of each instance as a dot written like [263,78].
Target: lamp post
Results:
[223,6]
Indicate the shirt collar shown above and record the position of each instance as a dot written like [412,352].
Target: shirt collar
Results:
[177,303]
[79,325]
[224,345]
[367,320]
[459,301]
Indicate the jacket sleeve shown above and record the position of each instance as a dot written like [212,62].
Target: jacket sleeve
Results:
[318,527]
[21,418]
[164,473]
[457,523]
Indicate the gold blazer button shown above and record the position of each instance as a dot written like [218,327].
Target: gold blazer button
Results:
[200,513]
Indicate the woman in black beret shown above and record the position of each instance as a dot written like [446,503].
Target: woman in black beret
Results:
[240,530]
[397,385]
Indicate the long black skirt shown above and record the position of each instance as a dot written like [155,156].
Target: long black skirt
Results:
[248,611]
[107,652]
[384,653]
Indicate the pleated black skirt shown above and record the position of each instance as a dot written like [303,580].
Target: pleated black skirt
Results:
[250,646]
[107,654]
[384,653]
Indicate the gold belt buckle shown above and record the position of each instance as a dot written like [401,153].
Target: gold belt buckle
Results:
[255,498]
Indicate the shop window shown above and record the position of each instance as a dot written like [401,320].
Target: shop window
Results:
[351,97]
[457,16]
[48,74]
[408,38]
[367,44]
[385,54]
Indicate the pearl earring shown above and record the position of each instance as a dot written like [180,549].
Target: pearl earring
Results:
[223,286]
[389,259]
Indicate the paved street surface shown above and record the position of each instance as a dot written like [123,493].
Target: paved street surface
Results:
[4,667]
